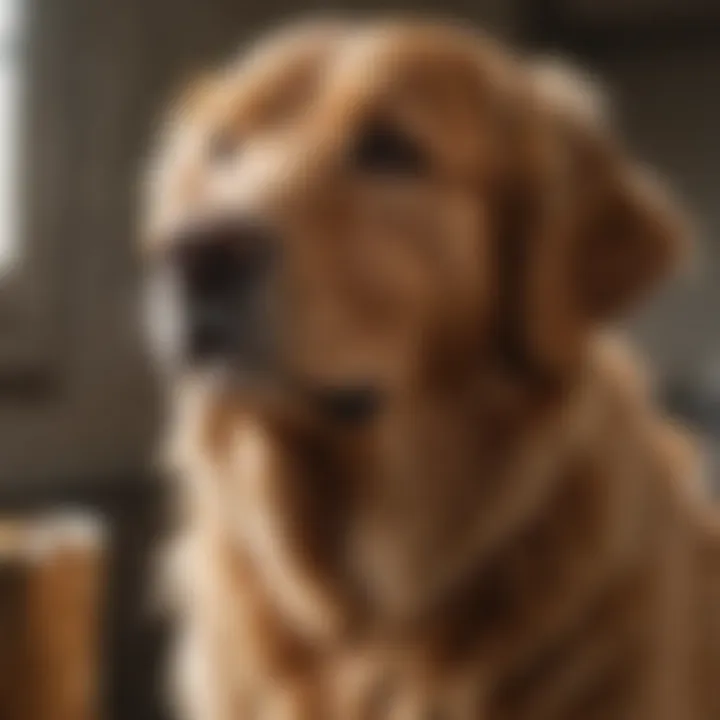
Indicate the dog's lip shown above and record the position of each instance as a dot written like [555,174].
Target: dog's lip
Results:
[348,400]
[347,403]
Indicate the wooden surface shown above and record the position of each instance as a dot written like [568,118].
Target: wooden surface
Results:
[51,578]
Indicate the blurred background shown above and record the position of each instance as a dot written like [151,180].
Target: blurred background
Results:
[82,85]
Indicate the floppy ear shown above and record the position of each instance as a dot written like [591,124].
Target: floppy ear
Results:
[625,230]
[607,232]
[629,237]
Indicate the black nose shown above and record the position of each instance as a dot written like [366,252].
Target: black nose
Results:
[224,271]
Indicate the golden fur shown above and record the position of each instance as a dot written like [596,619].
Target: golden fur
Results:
[518,533]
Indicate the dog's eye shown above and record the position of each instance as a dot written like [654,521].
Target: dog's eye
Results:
[384,149]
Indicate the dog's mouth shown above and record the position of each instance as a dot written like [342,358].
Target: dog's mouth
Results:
[351,404]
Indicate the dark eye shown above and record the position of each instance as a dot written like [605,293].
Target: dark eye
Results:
[384,149]
[222,146]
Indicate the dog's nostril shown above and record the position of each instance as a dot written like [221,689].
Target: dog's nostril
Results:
[223,273]
[218,260]
[208,269]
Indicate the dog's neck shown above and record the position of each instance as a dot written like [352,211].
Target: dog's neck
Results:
[422,500]
[398,509]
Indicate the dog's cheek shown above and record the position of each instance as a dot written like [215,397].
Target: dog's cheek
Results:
[459,276]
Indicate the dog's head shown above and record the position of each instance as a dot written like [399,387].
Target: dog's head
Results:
[352,211]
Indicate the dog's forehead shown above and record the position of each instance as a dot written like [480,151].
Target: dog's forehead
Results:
[283,54]
[355,64]
[402,51]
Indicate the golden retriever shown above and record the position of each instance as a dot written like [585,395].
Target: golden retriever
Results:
[418,477]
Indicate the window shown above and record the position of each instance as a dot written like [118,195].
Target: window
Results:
[10,78]
[37,136]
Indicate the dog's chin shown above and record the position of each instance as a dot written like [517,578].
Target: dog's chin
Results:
[349,403]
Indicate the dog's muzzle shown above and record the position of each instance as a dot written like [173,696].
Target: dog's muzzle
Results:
[223,275]
[215,312]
